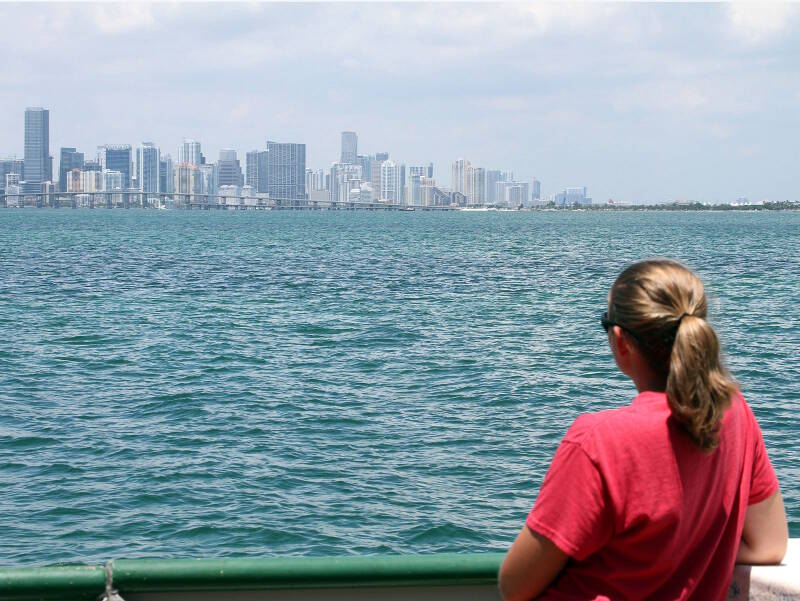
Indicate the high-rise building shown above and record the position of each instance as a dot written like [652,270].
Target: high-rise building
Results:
[256,170]
[349,148]
[207,181]
[492,177]
[412,189]
[475,184]
[391,182]
[344,177]
[458,175]
[69,159]
[91,181]
[72,180]
[315,180]
[537,189]
[38,164]
[112,180]
[166,180]
[148,168]
[189,152]
[229,171]
[286,170]
[116,157]
[11,166]
[374,175]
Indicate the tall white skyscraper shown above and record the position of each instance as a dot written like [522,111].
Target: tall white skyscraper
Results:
[458,175]
[391,181]
[148,167]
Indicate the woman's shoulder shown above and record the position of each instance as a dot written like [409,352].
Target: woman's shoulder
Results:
[647,413]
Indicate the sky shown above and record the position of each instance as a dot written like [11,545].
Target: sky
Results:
[638,102]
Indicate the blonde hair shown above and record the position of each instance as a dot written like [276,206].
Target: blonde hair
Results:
[663,304]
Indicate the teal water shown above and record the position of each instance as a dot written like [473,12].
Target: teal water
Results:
[179,384]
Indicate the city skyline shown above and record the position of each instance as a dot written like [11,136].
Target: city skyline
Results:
[642,103]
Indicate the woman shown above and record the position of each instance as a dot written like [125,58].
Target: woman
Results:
[659,499]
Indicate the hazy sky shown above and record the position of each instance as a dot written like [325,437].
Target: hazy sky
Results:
[636,101]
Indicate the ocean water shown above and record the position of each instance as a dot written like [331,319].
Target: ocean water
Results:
[183,384]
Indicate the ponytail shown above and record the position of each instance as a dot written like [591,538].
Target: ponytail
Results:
[664,304]
[698,389]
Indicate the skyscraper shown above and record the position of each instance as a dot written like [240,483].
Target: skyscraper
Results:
[38,165]
[165,175]
[189,152]
[458,174]
[117,157]
[148,168]
[256,170]
[69,159]
[349,147]
[537,189]
[229,170]
[286,170]
[391,181]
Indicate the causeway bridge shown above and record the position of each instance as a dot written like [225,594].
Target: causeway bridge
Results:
[129,199]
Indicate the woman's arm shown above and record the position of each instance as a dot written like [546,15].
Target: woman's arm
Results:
[530,565]
[765,533]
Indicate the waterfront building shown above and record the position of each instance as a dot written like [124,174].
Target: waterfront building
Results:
[413,174]
[492,177]
[229,194]
[571,197]
[166,169]
[91,166]
[537,189]
[392,176]
[188,180]
[512,194]
[458,175]
[457,199]
[69,159]
[344,177]
[374,176]
[112,180]
[11,179]
[72,180]
[38,162]
[475,185]
[256,170]
[349,148]
[365,162]
[286,170]
[90,181]
[148,168]
[13,192]
[116,157]
[207,181]
[366,193]
[229,171]
[315,180]
[189,152]
[11,166]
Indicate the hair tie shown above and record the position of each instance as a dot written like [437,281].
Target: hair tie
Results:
[680,319]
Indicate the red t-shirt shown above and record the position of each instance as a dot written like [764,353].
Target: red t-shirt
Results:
[642,512]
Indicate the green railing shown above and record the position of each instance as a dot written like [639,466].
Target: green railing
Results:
[154,575]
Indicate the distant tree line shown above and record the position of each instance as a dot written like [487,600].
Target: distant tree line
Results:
[785,205]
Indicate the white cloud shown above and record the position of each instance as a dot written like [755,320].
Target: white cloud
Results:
[122,17]
[756,22]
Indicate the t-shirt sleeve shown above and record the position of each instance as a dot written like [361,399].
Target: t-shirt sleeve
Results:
[764,482]
[572,509]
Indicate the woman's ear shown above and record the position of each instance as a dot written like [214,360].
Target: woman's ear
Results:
[621,349]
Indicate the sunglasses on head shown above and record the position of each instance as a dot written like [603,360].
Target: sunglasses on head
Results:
[607,323]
